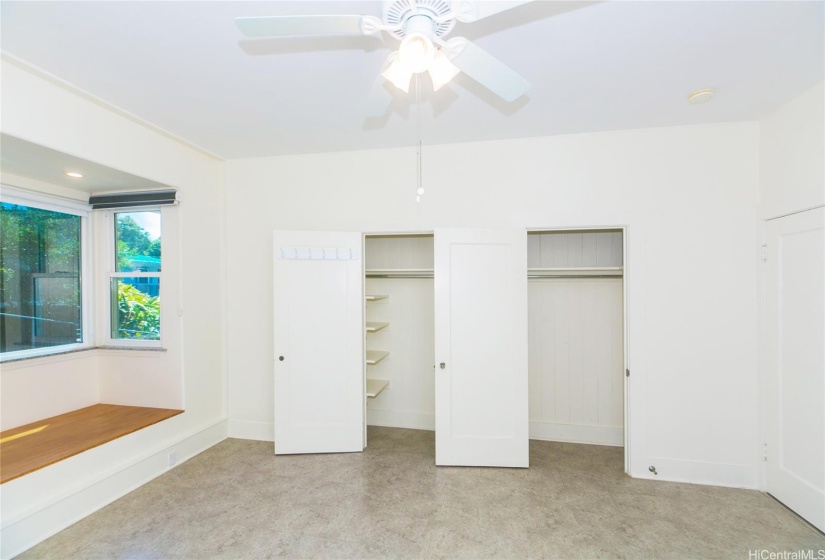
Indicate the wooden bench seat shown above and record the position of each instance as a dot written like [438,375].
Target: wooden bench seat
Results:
[28,448]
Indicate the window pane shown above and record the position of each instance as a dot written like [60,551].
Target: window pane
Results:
[39,278]
[136,308]
[137,241]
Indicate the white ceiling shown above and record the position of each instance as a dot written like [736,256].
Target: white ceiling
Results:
[186,68]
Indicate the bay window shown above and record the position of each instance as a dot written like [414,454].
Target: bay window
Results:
[43,253]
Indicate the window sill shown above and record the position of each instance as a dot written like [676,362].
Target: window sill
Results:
[76,350]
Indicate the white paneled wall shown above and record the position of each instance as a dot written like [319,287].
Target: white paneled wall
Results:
[576,360]
[590,249]
[399,252]
[409,401]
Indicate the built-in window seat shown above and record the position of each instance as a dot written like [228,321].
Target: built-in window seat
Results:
[28,448]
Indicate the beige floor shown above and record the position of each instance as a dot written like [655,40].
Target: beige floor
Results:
[237,500]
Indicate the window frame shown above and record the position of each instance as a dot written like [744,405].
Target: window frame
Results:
[13,195]
[110,260]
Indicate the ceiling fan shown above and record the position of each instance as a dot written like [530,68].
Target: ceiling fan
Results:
[421,26]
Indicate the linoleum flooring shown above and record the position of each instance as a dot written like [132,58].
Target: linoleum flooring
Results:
[237,500]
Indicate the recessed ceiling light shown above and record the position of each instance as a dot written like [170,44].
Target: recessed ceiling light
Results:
[74,174]
[701,96]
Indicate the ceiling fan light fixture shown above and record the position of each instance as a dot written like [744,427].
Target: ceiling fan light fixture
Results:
[442,70]
[422,27]
[417,50]
[398,74]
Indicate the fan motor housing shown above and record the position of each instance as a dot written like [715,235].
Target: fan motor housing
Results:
[397,12]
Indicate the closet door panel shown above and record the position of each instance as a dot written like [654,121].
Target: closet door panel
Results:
[795,363]
[481,338]
[319,356]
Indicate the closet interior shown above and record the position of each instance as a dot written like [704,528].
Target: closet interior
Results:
[576,336]
[400,331]
[575,328]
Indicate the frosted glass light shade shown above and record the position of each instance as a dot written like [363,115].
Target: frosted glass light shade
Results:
[442,70]
[417,52]
[398,74]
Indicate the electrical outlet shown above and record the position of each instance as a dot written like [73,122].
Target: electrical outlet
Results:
[173,458]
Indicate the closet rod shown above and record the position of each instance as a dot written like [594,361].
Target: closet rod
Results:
[578,272]
[572,276]
[399,273]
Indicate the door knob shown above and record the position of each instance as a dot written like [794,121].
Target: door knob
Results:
[442,365]
[280,358]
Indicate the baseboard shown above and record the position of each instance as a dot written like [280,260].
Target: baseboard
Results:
[394,419]
[701,472]
[594,435]
[249,429]
[24,529]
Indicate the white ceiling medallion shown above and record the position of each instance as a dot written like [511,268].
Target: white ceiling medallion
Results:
[701,96]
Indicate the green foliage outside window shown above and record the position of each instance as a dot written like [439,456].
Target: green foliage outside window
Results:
[138,314]
[40,284]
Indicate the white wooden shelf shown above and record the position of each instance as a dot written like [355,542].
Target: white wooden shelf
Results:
[375,386]
[376,298]
[375,356]
[373,326]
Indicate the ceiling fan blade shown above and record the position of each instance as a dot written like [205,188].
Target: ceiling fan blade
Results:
[486,69]
[291,26]
[474,10]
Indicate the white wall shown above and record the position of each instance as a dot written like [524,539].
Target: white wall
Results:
[36,109]
[687,194]
[792,155]
[40,388]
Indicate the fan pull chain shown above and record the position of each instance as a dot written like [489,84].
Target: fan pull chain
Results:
[419,188]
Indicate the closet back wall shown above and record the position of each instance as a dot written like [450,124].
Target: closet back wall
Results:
[687,195]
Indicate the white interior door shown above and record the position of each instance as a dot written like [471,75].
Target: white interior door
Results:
[481,348]
[795,361]
[319,342]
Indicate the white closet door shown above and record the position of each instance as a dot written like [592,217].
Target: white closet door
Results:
[319,342]
[795,361]
[481,348]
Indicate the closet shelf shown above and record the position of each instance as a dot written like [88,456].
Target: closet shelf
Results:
[375,356]
[375,386]
[399,273]
[373,326]
[579,272]
[376,298]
